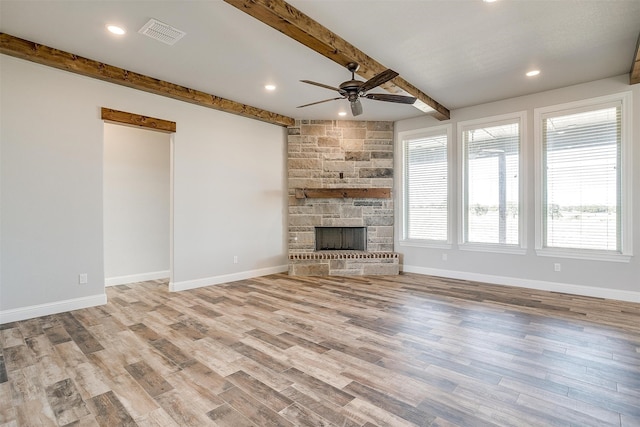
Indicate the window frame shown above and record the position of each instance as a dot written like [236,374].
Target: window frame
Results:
[520,248]
[626,165]
[403,137]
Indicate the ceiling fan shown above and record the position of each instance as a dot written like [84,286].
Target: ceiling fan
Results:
[353,90]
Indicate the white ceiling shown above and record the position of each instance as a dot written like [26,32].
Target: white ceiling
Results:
[459,52]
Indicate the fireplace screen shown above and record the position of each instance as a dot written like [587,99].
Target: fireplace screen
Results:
[341,238]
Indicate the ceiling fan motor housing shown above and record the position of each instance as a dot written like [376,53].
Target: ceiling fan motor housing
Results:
[351,85]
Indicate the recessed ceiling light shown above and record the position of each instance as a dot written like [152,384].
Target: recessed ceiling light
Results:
[489,1]
[270,87]
[342,113]
[116,30]
[533,73]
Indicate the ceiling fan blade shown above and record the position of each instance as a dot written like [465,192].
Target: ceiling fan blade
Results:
[378,79]
[400,99]
[321,85]
[319,102]
[356,108]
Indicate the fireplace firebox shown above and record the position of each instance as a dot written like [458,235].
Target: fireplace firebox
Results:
[341,238]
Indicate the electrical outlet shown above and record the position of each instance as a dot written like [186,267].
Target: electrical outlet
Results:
[557,266]
[83,279]
[235,259]
[445,257]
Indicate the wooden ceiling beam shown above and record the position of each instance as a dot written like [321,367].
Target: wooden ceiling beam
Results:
[137,120]
[293,23]
[634,75]
[41,54]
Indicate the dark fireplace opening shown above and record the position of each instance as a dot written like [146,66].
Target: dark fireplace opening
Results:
[341,238]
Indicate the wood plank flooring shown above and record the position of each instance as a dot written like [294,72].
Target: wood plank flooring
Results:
[405,350]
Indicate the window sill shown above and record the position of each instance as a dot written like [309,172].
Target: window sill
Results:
[590,255]
[501,249]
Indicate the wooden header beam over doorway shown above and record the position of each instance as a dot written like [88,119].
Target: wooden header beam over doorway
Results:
[137,120]
[293,23]
[634,75]
[24,49]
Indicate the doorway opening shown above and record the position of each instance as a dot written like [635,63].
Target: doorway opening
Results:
[137,204]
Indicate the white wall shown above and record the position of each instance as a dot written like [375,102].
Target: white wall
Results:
[136,204]
[229,190]
[229,199]
[596,278]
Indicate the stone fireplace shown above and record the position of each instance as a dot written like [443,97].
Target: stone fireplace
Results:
[340,175]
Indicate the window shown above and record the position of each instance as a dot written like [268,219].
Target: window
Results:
[585,199]
[491,182]
[426,185]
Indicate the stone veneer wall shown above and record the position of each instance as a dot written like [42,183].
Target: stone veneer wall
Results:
[318,152]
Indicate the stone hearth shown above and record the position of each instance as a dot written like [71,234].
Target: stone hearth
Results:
[341,155]
[339,263]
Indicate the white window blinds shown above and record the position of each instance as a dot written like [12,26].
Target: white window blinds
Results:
[581,179]
[426,187]
[491,196]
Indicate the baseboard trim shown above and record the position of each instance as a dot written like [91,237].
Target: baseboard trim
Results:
[541,285]
[24,313]
[134,278]
[225,278]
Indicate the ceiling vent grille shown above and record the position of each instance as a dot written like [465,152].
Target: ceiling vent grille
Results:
[162,32]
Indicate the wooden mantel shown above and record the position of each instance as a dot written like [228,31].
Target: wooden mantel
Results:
[343,193]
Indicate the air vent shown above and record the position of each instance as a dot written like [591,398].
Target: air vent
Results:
[162,32]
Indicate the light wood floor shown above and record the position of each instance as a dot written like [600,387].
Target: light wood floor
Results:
[292,351]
